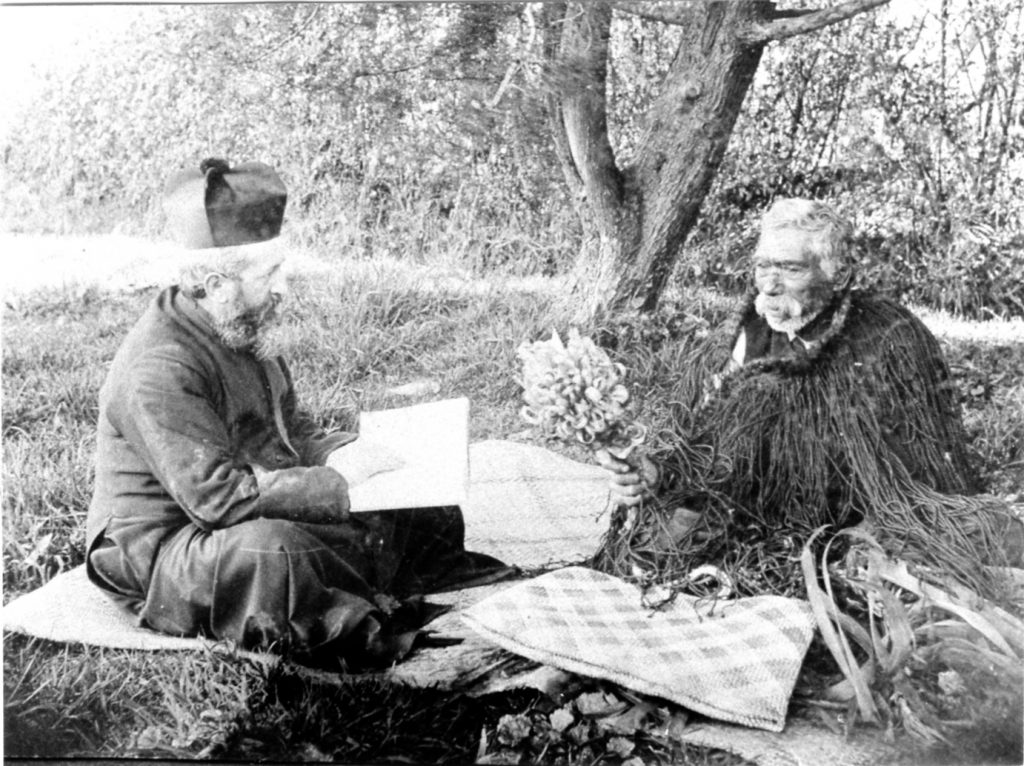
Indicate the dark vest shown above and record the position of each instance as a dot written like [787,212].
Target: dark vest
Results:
[763,341]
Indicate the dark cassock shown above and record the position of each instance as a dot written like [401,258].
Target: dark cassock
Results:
[214,513]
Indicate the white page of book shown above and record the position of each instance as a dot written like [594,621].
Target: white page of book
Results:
[421,456]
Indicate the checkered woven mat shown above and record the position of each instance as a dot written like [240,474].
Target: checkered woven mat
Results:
[734,661]
[532,507]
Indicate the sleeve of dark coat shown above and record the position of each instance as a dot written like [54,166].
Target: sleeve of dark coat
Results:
[171,421]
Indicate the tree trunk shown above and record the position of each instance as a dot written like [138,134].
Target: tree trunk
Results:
[687,133]
[637,218]
[641,215]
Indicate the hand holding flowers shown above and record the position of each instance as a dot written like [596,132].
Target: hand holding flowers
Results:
[574,392]
[631,482]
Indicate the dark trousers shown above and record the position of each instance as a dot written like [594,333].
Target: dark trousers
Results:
[297,587]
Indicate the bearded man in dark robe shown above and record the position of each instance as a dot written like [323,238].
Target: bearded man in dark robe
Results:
[816,405]
[216,511]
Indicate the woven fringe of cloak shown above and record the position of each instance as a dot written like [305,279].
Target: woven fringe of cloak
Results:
[864,427]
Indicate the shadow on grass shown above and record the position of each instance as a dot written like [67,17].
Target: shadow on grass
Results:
[88,702]
[365,721]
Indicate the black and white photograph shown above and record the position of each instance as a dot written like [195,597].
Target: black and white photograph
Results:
[570,383]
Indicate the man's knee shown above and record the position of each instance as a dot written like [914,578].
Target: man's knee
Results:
[267,536]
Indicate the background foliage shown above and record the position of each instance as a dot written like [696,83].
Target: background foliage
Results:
[911,125]
[425,123]
[414,135]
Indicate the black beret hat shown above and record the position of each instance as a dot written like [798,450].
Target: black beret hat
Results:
[221,206]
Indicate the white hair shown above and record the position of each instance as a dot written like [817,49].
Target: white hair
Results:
[831,233]
[196,265]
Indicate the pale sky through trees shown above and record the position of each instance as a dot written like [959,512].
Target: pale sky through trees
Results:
[36,37]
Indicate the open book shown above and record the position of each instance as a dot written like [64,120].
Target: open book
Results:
[410,457]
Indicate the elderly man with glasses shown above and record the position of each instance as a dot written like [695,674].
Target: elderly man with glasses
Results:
[817,405]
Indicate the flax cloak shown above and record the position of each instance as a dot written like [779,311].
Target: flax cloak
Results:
[860,425]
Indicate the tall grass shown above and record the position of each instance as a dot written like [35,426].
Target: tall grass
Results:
[466,232]
[359,328]
[56,349]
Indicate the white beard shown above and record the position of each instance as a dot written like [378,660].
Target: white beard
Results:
[257,332]
[795,314]
[273,339]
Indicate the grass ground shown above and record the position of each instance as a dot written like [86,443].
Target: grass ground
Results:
[358,330]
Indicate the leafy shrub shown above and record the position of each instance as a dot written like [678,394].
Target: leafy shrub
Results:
[921,153]
[376,135]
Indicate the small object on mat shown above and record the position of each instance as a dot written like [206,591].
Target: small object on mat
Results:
[731,660]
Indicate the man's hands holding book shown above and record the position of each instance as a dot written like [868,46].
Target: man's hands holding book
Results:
[363,458]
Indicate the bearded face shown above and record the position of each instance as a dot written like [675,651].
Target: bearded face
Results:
[244,307]
[792,289]
[248,328]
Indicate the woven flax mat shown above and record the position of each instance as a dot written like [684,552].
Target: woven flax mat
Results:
[533,508]
[527,506]
[732,660]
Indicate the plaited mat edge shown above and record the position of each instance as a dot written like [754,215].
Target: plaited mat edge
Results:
[575,665]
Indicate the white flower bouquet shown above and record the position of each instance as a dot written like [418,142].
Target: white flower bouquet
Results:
[574,392]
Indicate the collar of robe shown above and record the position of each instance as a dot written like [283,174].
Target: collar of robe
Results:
[834,316]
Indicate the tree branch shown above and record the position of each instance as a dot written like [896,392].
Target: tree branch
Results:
[791,13]
[551,18]
[583,59]
[388,72]
[684,17]
[679,18]
[782,28]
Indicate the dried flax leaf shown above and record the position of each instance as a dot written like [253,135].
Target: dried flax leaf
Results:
[946,624]
[849,628]
[893,647]
[999,627]
[852,628]
[943,629]
[915,726]
[1009,626]
[844,690]
[961,653]
[825,610]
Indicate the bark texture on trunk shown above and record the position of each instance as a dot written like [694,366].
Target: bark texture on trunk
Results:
[637,218]
[687,132]
[582,113]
